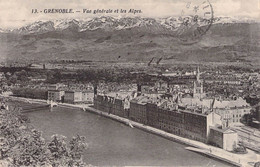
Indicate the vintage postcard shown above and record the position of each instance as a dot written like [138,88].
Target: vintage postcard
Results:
[129,83]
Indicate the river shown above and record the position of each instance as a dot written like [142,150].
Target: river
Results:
[113,143]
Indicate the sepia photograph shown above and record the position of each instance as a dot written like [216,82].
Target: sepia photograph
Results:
[129,83]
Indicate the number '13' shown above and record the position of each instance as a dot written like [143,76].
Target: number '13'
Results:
[34,11]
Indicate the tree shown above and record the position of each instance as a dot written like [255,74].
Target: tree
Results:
[30,150]
[247,119]
[63,155]
[77,146]
[58,150]
[22,76]
[13,79]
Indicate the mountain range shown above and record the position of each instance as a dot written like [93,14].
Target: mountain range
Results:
[110,23]
[131,39]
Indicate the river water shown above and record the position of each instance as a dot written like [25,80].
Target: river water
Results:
[113,143]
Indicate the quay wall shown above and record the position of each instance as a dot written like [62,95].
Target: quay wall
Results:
[163,134]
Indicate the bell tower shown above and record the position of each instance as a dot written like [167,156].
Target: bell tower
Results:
[198,74]
[198,86]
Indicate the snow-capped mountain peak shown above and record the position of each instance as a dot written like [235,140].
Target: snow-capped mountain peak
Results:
[108,23]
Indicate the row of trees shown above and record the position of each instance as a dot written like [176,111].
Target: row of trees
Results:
[30,93]
[100,75]
[21,145]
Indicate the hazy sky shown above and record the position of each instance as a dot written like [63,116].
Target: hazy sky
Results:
[16,13]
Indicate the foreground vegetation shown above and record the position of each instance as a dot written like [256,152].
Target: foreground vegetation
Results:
[22,145]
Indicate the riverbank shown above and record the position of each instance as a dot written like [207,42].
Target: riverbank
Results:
[165,135]
[217,153]
[238,160]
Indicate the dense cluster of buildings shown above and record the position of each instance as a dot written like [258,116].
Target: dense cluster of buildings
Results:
[195,117]
[193,123]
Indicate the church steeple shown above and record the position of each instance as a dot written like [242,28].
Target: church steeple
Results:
[198,74]
[198,85]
